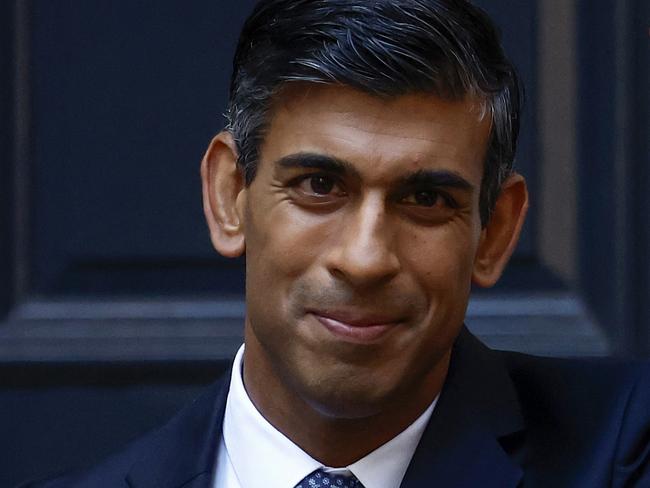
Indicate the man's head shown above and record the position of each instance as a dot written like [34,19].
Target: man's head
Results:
[354,176]
[385,48]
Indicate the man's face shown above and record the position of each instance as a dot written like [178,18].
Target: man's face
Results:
[361,230]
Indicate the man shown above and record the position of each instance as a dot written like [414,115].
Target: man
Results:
[366,174]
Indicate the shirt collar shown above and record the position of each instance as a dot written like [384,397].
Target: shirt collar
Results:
[385,466]
[262,456]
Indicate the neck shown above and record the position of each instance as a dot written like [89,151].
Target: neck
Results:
[334,440]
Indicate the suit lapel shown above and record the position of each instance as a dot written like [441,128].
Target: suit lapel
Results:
[183,452]
[475,421]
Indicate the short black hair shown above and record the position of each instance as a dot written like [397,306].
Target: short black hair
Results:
[449,48]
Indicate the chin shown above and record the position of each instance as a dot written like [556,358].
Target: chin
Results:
[348,397]
[346,407]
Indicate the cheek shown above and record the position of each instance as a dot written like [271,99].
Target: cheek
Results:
[283,242]
[282,249]
[440,258]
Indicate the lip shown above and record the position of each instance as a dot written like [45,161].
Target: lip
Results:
[357,328]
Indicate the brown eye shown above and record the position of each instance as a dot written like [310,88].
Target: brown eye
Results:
[426,198]
[317,191]
[321,185]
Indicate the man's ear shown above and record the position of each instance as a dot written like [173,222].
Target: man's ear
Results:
[501,234]
[224,195]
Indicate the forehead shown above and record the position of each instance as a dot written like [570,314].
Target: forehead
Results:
[405,133]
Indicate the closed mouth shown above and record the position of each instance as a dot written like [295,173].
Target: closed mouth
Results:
[356,327]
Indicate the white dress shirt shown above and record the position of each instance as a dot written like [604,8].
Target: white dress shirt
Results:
[254,454]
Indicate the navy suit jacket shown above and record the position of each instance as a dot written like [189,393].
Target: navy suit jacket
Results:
[503,420]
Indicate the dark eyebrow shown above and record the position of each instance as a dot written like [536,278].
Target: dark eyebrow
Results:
[316,161]
[438,178]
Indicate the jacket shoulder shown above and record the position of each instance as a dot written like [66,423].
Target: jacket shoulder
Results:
[591,409]
[571,384]
[113,471]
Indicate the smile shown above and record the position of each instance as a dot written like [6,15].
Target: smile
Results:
[356,328]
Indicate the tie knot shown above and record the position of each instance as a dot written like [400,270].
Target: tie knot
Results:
[322,479]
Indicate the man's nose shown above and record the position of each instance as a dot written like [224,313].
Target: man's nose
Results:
[364,254]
